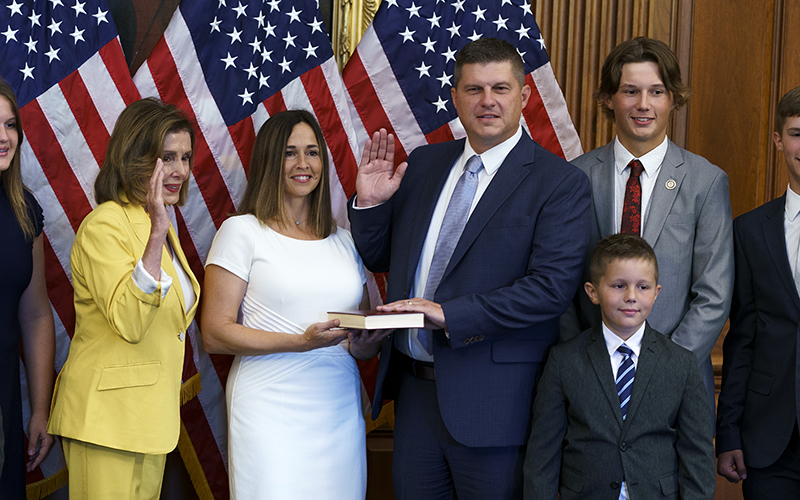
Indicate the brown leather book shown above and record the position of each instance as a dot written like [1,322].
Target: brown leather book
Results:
[376,320]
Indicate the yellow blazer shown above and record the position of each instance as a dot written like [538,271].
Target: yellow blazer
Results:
[120,386]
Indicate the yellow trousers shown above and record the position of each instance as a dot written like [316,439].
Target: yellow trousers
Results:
[100,473]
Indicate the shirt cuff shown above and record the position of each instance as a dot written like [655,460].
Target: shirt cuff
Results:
[356,207]
[146,283]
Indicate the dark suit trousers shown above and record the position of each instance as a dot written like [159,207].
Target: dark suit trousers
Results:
[779,480]
[428,463]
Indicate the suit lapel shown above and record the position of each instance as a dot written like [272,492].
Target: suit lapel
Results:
[775,237]
[169,266]
[176,247]
[665,191]
[507,179]
[648,359]
[598,354]
[603,177]
[139,220]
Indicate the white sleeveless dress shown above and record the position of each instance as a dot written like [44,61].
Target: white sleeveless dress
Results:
[295,427]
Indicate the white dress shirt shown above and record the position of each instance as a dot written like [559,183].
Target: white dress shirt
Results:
[652,165]
[791,227]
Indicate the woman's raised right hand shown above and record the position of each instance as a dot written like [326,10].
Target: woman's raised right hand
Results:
[154,203]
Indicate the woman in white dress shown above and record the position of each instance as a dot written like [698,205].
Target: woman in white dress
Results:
[295,425]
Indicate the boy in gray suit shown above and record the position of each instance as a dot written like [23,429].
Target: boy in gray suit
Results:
[620,412]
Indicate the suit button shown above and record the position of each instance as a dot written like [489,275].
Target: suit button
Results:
[623,446]
[614,485]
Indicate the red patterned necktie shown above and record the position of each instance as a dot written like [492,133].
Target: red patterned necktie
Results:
[632,207]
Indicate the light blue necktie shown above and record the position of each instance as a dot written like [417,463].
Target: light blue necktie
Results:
[625,378]
[455,218]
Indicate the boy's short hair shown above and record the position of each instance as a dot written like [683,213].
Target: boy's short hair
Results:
[619,247]
[641,49]
[788,107]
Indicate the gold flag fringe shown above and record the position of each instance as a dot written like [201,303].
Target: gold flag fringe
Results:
[190,388]
[46,486]
[386,417]
[193,467]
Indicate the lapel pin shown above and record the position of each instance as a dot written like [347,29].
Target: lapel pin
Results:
[671,184]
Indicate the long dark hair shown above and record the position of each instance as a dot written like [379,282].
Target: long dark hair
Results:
[12,176]
[263,196]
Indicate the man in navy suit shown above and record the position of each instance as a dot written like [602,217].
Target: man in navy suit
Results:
[463,388]
[759,404]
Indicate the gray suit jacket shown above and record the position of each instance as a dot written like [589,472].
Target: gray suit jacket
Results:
[689,226]
[582,448]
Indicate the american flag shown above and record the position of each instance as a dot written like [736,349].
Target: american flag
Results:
[66,65]
[401,73]
[231,65]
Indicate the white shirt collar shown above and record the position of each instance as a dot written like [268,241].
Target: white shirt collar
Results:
[613,342]
[651,161]
[792,204]
[494,157]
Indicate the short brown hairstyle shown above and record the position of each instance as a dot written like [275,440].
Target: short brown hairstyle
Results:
[12,176]
[489,50]
[641,49]
[788,107]
[136,143]
[264,194]
[619,247]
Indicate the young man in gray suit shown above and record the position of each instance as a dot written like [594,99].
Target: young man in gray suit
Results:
[620,411]
[677,201]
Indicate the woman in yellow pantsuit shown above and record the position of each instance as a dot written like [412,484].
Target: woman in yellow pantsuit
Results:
[117,399]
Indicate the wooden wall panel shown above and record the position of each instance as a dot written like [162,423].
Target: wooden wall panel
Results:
[731,74]
[786,76]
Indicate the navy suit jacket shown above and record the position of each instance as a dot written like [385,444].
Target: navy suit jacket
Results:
[513,272]
[582,448]
[760,398]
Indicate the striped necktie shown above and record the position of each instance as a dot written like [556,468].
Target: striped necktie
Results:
[625,378]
